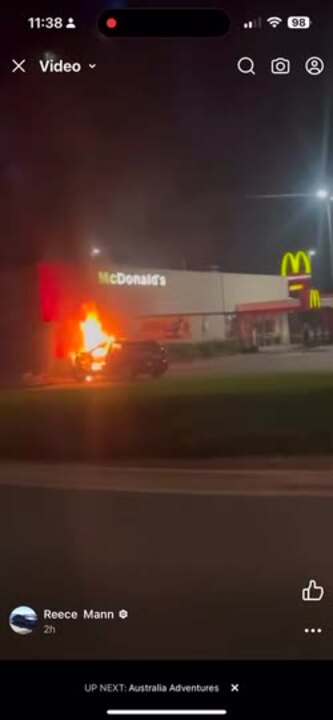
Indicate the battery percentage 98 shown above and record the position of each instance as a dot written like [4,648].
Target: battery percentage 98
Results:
[299,22]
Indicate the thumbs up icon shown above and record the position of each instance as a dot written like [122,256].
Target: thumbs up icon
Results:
[313,592]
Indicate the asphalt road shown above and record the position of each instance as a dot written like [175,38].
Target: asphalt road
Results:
[275,360]
[209,563]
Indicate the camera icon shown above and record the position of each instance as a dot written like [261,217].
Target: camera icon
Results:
[280,66]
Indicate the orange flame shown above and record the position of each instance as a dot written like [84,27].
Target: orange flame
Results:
[94,339]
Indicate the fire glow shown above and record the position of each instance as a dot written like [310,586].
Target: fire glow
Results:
[94,338]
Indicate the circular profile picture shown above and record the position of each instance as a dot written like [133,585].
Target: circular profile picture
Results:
[23,620]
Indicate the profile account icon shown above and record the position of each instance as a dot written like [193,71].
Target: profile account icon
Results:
[314,66]
[23,620]
[70,24]
[245,65]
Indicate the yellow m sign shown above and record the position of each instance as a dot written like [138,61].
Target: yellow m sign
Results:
[314,298]
[295,264]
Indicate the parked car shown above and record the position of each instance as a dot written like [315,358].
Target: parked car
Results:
[132,358]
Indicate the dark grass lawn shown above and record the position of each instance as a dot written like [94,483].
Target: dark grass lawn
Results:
[170,418]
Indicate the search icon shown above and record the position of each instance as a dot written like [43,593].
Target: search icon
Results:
[245,65]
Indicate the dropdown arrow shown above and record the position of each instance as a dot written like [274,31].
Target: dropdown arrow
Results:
[92,65]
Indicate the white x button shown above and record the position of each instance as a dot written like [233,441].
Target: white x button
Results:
[18,65]
[234,687]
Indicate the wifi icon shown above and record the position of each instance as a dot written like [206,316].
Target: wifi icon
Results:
[274,22]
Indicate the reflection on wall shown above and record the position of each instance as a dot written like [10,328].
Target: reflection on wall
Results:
[168,327]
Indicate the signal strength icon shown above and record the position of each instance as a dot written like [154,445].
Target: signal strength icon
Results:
[274,22]
[255,24]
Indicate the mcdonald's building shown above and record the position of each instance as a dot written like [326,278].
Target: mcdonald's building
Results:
[49,309]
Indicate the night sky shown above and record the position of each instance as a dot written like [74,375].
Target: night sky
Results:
[153,155]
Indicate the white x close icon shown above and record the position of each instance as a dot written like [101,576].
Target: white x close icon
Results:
[235,687]
[18,65]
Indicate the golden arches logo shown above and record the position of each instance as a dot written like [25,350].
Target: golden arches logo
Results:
[314,298]
[298,263]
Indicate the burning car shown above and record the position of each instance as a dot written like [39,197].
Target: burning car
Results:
[90,359]
[123,360]
[103,357]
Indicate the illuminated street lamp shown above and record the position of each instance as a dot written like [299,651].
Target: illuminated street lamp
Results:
[95,251]
[325,196]
[322,194]
[312,253]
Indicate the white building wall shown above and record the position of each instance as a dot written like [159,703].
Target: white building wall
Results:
[285,330]
[212,292]
[207,327]
[214,327]
[189,292]
[241,288]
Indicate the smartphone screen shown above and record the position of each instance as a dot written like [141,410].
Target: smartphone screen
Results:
[166,324]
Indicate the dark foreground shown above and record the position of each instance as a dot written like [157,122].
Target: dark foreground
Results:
[183,417]
[204,572]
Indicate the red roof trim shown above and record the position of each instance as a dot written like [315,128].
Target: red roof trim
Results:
[270,306]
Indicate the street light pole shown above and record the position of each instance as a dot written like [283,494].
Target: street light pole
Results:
[325,196]
[330,236]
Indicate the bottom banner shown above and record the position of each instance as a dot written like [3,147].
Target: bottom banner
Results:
[97,690]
